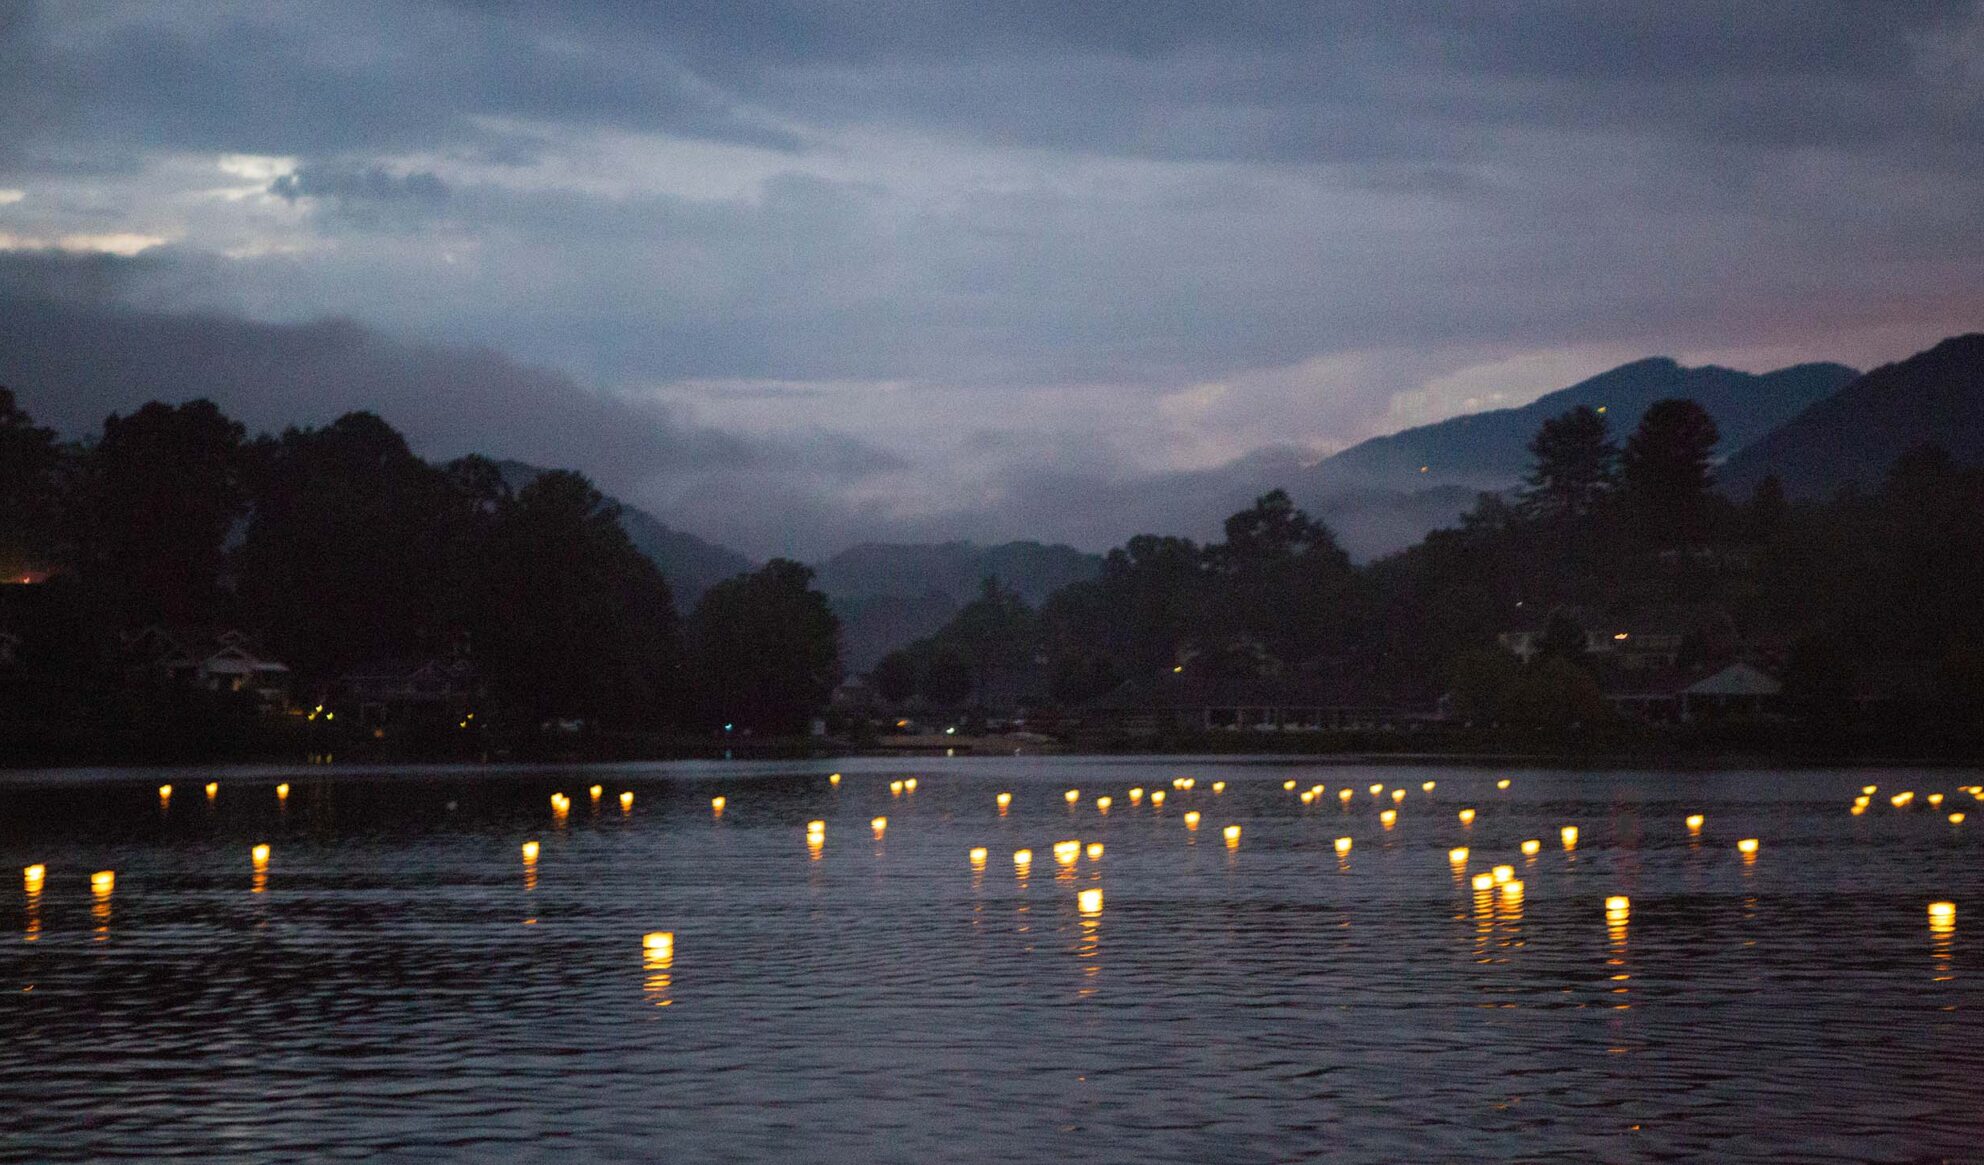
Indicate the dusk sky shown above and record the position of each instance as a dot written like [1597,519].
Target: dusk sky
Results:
[792,275]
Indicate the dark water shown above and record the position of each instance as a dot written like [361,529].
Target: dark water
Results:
[397,986]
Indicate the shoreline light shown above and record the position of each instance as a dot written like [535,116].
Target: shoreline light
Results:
[1532,847]
[1191,819]
[1747,847]
[1569,836]
[1089,901]
[1466,816]
[1343,845]
[627,800]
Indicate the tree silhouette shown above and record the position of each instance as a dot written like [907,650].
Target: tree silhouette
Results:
[1665,479]
[766,649]
[1575,465]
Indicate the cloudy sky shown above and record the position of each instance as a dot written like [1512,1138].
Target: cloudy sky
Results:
[797,273]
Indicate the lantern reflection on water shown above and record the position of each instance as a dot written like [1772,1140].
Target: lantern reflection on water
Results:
[1377,790]
[1617,907]
[1503,873]
[1428,786]
[213,789]
[1484,882]
[1022,858]
[1289,784]
[1502,784]
[1935,800]
[1398,796]
[530,851]
[1956,818]
[260,854]
[1137,795]
[717,804]
[1345,796]
[833,779]
[33,877]
[1218,787]
[895,788]
[1308,796]
[103,881]
[910,784]
[165,792]
[596,791]
[282,791]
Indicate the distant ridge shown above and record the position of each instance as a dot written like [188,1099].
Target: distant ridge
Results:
[1853,436]
[1489,450]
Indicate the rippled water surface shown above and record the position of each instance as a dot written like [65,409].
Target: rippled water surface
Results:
[398,983]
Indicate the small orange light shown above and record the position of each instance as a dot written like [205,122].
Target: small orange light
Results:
[1137,795]
[1531,848]
[1458,855]
[1094,850]
[1218,787]
[1004,799]
[1398,796]
[1022,858]
[833,778]
[530,851]
[165,792]
[1747,847]
[595,791]
[1376,790]
[627,800]
[213,789]
[259,855]
[1428,786]
[879,825]
[1102,804]
[1067,852]
[1342,846]
[1345,795]
[1156,797]
[282,791]
[1618,906]
[1569,835]
[1231,833]
[1289,784]
[1484,881]
[1072,795]
[1503,873]
[1191,819]
[1694,822]
[910,784]
[1388,818]
[1089,901]
[977,855]
[895,788]
[717,804]
[34,876]
[103,881]
[659,943]
[1466,817]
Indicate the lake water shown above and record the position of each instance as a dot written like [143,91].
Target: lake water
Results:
[397,983]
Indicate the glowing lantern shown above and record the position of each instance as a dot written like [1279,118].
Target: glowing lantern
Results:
[1089,901]
[1156,797]
[910,784]
[1859,807]
[1289,784]
[1231,833]
[1342,846]
[1483,882]
[1427,786]
[895,788]
[1617,907]
[1022,858]
[213,789]
[1388,818]
[1512,888]
[833,778]
[103,881]
[1467,817]
[1218,787]
[559,802]
[1067,852]
[1935,799]
[1137,795]
[1102,804]
[1942,916]
[1956,818]
[1004,799]
[1344,796]
[1695,821]
[717,804]
[659,943]
[879,825]
[1094,850]
[596,791]
[1502,784]
[1503,873]
[1376,790]
[165,792]
[1398,796]
[627,800]
[1308,796]
[977,855]
[282,791]
[1186,783]
[1531,848]
[1073,795]
[530,851]
[33,876]
[259,855]
[1569,834]
[1191,819]
[1869,790]
[1747,847]
[1458,855]
[1900,799]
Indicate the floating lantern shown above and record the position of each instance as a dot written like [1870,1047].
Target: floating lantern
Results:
[627,800]
[1156,797]
[1377,790]
[1067,852]
[1089,901]
[103,881]
[213,789]
[1458,855]
[33,876]
[816,829]
[1094,850]
[1859,807]
[1467,817]
[1289,784]
[1231,833]
[1427,786]
[1318,790]
[659,943]
[1004,799]
[1531,848]
[1483,882]
[1137,795]
[1345,796]
[530,851]
[1956,818]
[977,855]
[1942,916]
[1022,858]
[1073,795]
[1398,796]
[1503,873]
[1747,847]
[1935,799]
[895,788]
[1512,888]
[1502,784]
[1694,822]
[833,778]
[1342,846]
[1570,836]
[165,792]
[1191,819]
[879,825]
[595,791]
[558,801]
[282,791]
[717,804]
[1186,783]
[1617,907]
[1388,818]
[1102,804]
[910,784]
[1308,796]
[260,854]
[1901,799]
[1218,787]
[1869,790]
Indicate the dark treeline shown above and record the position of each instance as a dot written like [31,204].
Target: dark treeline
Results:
[340,553]
[1866,606]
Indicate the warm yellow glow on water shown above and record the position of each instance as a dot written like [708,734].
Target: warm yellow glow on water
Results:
[1458,855]
[910,784]
[1094,850]
[977,855]
[282,791]
[260,854]
[1102,804]
[1935,800]
[1512,888]
[1343,847]
[213,789]
[895,788]
[1308,796]
[1377,790]
[530,851]
[1218,787]
[1859,807]
[1569,834]
[559,802]
[1869,790]
[33,877]
[1502,784]
[1388,818]
[879,825]
[1618,904]
[1503,873]
[1186,783]
[1956,818]
[1466,816]
[717,804]
[1398,796]
[1942,916]
[103,881]
[1694,822]
[1022,858]
[1191,819]
[1231,833]
[1289,784]
[1089,901]
[627,800]
[1067,852]
[596,791]
[833,778]
[165,792]
[1345,796]
[1073,795]
[1004,799]
[1428,786]
[1532,847]
[1137,795]
[1901,799]
[1747,847]
[1156,797]
[659,942]
[1483,882]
